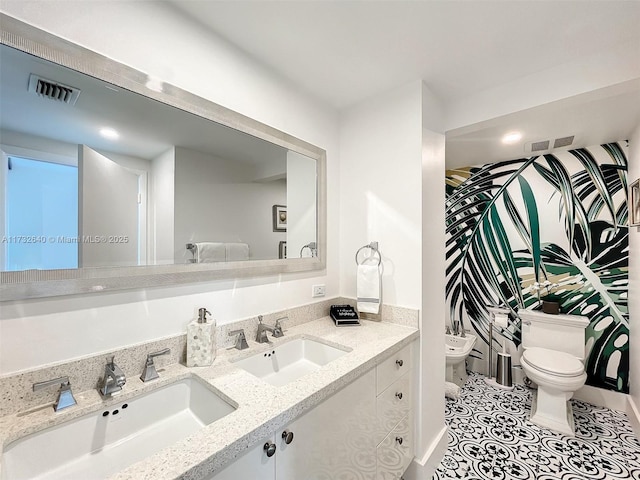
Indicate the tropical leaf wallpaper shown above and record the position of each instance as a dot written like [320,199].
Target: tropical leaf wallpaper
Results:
[559,219]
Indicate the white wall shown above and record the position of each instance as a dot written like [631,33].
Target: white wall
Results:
[431,418]
[64,153]
[634,286]
[45,148]
[107,207]
[301,204]
[216,200]
[161,208]
[392,191]
[380,191]
[36,332]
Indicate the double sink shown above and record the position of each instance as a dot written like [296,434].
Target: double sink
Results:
[102,443]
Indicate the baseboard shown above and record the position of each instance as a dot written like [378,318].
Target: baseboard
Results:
[424,468]
[634,416]
[603,398]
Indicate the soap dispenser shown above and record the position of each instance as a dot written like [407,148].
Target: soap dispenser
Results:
[201,340]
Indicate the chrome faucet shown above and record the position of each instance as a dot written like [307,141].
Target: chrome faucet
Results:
[65,397]
[456,327]
[261,334]
[150,372]
[113,379]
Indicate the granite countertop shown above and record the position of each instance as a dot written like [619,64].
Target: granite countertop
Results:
[260,407]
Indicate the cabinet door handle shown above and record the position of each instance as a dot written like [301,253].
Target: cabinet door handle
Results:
[399,363]
[270,448]
[399,440]
[399,395]
[287,436]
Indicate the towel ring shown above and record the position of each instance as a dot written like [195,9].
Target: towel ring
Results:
[312,248]
[373,246]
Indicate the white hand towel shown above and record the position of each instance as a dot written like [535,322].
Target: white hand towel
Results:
[209,252]
[368,288]
[237,251]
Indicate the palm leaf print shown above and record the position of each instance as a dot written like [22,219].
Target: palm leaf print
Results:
[496,248]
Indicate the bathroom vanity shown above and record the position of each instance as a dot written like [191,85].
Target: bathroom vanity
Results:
[351,416]
[363,431]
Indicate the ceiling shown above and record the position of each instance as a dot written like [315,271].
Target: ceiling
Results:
[342,52]
[601,116]
[345,51]
[147,128]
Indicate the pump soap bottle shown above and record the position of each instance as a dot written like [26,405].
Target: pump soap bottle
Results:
[201,340]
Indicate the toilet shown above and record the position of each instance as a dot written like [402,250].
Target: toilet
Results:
[553,356]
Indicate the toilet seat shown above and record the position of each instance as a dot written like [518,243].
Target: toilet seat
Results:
[552,362]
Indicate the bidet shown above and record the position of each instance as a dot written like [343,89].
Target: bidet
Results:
[457,349]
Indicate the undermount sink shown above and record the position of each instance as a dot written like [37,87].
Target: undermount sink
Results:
[102,443]
[291,360]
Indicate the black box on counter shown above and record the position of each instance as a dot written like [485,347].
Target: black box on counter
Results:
[344,315]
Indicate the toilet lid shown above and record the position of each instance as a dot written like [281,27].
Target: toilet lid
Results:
[553,362]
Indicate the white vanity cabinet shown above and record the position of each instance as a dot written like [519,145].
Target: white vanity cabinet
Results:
[394,434]
[362,432]
[333,440]
[255,464]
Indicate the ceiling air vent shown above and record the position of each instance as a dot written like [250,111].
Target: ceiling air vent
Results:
[540,146]
[53,90]
[563,142]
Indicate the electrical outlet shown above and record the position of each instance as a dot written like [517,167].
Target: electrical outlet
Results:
[318,291]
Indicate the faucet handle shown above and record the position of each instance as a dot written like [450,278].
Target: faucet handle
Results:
[152,355]
[241,340]
[65,396]
[49,383]
[150,372]
[277,328]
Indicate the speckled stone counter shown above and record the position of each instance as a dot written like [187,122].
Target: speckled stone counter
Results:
[260,407]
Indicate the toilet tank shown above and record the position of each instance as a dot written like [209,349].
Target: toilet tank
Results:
[564,333]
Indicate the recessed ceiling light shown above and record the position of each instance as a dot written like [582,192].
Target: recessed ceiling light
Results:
[109,133]
[512,137]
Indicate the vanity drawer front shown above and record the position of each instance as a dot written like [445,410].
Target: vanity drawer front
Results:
[396,451]
[393,405]
[393,368]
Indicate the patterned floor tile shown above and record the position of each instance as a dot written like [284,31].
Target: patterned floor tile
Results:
[490,437]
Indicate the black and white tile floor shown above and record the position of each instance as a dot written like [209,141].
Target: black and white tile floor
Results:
[490,437]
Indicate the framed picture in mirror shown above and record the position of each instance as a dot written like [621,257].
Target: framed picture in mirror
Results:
[282,249]
[634,204]
[279,218]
